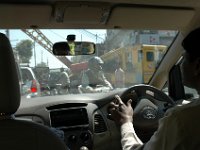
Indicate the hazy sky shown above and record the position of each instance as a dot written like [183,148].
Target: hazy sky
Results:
[96,36]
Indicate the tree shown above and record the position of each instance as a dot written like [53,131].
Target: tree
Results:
[42,64]
[24,49]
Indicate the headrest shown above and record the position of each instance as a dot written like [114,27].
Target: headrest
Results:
[9,83]
[191,43]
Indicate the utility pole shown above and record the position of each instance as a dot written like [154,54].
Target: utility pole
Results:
[97,49]
[34,54]
[41,56]
[47,62]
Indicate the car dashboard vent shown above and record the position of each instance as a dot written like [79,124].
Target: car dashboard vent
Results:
[99,124]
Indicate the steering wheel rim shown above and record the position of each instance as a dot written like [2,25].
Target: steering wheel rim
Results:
[142,89]
[146,112]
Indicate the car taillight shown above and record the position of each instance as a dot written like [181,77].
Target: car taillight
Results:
[34,86]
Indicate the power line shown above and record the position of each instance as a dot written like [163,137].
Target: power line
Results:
[93,36]
[57,34]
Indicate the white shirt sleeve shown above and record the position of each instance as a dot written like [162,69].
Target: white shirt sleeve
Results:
[177,130]
[130,140]
[166,133]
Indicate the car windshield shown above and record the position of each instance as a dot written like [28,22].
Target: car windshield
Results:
[122,58]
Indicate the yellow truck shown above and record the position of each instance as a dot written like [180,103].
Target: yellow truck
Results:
[138,62]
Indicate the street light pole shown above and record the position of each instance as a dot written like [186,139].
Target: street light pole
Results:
[34,54]
[8,33]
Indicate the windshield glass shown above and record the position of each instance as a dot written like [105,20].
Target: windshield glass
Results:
[122,58]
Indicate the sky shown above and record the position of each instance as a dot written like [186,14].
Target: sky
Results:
[96,36]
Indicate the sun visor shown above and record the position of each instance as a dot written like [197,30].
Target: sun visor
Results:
[12,16]
[91,15]
[80,13]
[144,17]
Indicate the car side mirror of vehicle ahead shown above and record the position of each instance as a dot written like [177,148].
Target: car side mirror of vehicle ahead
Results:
[73,48]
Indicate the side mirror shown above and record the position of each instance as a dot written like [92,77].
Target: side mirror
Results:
[74,48]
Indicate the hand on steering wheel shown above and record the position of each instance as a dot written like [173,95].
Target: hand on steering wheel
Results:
[145,101]
[120,112]
[149,104]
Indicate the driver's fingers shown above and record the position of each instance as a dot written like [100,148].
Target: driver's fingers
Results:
[118,100]
[112,109]
[129,103]
[112,106]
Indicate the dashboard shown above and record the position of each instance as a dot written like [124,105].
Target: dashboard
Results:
[83,119]
[74,122]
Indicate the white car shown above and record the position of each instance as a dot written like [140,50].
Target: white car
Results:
[30,86]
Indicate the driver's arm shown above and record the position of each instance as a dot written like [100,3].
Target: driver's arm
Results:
[165,138]
[129,138]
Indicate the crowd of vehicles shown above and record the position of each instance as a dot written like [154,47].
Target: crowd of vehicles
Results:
[39,81]
[144,36]
[139,63]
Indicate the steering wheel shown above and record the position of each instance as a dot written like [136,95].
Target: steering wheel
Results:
[149,104]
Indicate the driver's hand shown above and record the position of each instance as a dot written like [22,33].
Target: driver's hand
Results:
[120,112]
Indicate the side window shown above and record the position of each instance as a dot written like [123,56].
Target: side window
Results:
[189,92]
[175,87]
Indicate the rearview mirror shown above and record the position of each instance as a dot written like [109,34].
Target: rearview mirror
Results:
[73,48]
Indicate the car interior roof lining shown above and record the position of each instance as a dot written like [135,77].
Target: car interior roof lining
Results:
[94,17]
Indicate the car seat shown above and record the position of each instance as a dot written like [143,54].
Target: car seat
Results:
[19,134]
